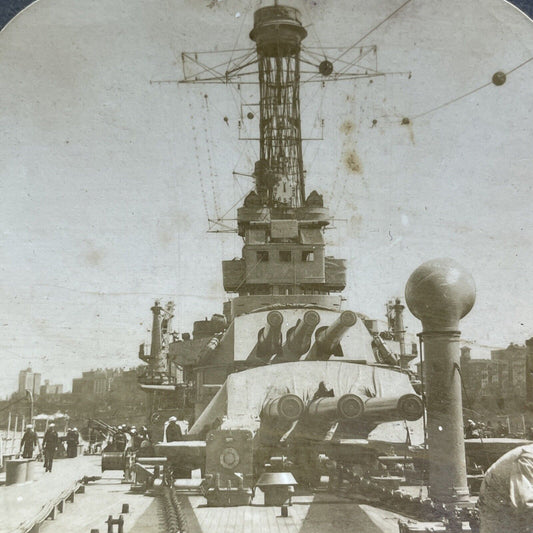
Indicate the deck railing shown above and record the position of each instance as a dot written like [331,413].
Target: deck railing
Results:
[10,437]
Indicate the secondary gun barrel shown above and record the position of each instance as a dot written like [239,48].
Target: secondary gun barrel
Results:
[328,339]
[277,417]
[347,407]
[269,338]
[287,408]
[299,338]
[385,409]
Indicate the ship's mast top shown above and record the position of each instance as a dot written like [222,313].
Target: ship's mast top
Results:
[279,173]
[284,251]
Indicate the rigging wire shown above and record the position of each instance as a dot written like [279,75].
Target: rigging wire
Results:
[250,272]
[177,264]
[314,30]
[319,117]
[372,30]
[235,204]
[213,174]
[197,154]
[243,18]
[469,93]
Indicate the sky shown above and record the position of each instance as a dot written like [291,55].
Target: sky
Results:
[107,179]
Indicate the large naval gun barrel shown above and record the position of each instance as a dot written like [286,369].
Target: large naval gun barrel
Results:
[345,408]
[286,408]
[389,408]
[299,338]
[440,293]
[269,338]
[328,338]
[277,416]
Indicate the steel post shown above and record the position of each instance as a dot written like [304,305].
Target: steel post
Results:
[529,371]
[440,293]
[155,347]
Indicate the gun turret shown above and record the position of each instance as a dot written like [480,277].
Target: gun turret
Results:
[269,338]
[406,407]
[300,336]
[384,354]
[347,407]
[328,338]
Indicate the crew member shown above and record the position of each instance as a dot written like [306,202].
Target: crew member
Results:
[72,442]
[470,429]
[173,432]
[50,443]
[120,440]
[503,430]
[506,496]
[136,440]
[28,442]
[146,449]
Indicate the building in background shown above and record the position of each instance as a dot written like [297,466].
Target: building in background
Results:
[29,380]
[499,380]
[102,381]
[49,389]
[94,382]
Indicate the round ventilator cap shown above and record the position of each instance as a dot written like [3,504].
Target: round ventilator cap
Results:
[440,293]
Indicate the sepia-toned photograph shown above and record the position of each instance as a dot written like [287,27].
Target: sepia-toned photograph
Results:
[266,266]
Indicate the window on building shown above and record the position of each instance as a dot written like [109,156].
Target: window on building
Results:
[285,256]
[262,256]
[308,255]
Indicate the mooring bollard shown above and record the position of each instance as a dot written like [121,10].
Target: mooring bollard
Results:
[125,508]
[112,521]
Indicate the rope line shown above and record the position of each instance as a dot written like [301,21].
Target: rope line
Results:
[372,30]
[213,174]
[469,93]
[197,153]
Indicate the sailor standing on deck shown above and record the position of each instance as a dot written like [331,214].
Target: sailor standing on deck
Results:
[506,496]
[28,442]
[72,442]
[50,443]
[173,431]
[120,440]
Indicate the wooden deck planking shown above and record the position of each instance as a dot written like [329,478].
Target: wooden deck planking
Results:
[318,513]
[20,504]
[247,518]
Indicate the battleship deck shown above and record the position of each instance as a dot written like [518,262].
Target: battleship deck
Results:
[313,513]
[22,506]
[318,513]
